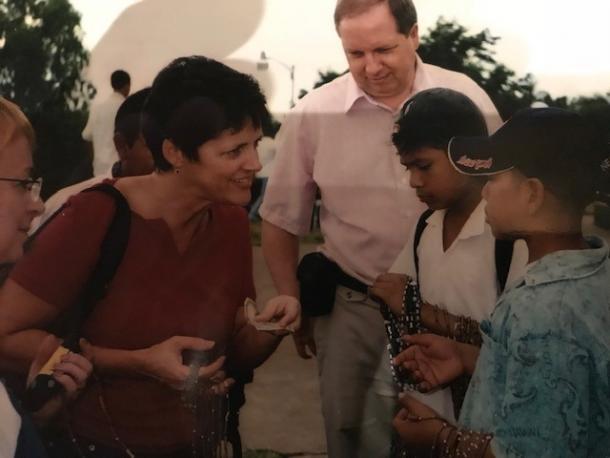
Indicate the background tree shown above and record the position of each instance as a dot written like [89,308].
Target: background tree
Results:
[41,62]
[323,78]
[451,46]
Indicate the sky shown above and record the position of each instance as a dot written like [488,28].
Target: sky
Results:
[565,45]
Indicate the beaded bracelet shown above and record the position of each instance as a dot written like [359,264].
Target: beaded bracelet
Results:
[459,442]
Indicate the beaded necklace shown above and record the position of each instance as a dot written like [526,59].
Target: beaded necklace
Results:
[408,323]
[209,420]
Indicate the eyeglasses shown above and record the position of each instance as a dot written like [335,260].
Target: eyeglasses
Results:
[31,185]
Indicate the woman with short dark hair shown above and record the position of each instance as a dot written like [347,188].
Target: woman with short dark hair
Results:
[182,281]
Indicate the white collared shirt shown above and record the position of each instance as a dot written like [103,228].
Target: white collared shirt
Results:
[461,280]
[339,139]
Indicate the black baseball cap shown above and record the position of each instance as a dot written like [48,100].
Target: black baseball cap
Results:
[536,141]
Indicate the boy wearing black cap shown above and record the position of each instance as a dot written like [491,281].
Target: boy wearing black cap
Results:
[451,253]
[541,382]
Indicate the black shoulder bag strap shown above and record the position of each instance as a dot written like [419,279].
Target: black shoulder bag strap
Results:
[69,324]
[112,248]
[419,230]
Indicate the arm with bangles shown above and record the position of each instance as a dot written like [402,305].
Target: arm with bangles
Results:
[424,431]
[435,361]
[390,289]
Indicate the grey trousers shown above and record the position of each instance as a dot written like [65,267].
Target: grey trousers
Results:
[359,399]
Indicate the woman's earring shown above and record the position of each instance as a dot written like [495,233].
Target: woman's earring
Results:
[177,170]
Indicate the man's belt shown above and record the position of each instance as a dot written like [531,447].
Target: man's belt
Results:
[350,282]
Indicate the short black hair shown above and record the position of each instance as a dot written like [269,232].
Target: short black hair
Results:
[127,121]
[119,79]
[432,117]
[193,100]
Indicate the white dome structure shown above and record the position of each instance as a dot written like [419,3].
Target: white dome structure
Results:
[151,33]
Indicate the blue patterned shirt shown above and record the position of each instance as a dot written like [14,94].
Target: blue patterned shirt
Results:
[541,383]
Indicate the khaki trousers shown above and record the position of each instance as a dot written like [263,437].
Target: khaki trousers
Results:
[359,399]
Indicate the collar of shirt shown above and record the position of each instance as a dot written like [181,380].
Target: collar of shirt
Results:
[568,264]
[354,93]
[474,225]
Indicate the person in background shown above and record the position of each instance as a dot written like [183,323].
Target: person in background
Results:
[99,130]
[134,156]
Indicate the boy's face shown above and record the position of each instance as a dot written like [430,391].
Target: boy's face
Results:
[507,199]
[434,179]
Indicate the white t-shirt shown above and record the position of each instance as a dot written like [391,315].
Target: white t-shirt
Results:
[100,131]
[461,280]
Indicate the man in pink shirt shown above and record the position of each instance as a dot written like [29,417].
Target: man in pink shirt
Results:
[338,139]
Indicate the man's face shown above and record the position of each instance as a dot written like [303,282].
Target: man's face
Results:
[381,59]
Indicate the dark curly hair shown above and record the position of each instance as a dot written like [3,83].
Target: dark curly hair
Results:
[193,100]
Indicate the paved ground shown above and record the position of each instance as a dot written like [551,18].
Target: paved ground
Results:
[283,408]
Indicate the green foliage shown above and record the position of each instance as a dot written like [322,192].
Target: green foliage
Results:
[451,46]
[323,78]
[41,60]
[596,109]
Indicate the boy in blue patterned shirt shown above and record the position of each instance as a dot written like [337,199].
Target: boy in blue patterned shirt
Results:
[541,380]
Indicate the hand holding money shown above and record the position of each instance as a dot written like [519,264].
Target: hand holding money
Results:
[281,314]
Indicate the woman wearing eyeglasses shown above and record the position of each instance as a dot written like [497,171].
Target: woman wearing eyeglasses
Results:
[19,193]
[19,204]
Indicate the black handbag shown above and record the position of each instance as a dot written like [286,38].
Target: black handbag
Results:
[318,277]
